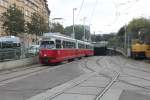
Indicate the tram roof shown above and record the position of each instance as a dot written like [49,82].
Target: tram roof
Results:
[58,35]
[84,42]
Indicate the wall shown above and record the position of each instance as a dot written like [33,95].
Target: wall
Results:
[18,63]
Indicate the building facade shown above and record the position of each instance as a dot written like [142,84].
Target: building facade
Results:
[28,7]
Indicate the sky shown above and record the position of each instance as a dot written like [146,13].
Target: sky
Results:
[103,16]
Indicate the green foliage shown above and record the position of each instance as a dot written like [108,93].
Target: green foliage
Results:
[96,38]
[79,32]
[102,37]
[136,25]
[57,27]
[37,25]
[121,31]
[107,37]
[13,21]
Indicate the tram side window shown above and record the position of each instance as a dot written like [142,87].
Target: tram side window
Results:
[58,43]
[74,45]
[71,45]
[47,44]
[67,44]
[91,47]
[64,44]
[87,47]
[81,46]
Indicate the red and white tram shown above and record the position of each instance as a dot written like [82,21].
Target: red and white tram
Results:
[56,48]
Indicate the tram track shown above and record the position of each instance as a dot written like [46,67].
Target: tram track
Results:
[13,73]
[129,83]
[108,86]
[85,64]
[127,67]
[9,71]
[118,79]
[138,66]
[8,79]
[23,72]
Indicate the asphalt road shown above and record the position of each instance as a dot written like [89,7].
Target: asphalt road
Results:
[133,82]
[27,87]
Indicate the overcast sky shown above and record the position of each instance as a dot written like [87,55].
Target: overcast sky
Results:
[103,16]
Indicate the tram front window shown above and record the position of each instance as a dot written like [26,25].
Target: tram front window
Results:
[47,44]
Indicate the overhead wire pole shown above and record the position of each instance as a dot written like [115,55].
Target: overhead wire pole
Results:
[92,15]
[90,40]
[125,37]
[84,37]
[73,31]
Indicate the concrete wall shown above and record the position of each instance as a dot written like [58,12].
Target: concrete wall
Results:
[18,63]
[120,51]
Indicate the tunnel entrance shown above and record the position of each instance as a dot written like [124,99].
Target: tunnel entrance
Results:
[100,51]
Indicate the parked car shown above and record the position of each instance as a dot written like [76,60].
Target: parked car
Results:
[33,49]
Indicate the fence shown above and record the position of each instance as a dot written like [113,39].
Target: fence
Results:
[7,54]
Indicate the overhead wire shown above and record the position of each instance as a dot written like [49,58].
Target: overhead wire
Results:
[93,12]
[129,4]
[117,13]
[80,10]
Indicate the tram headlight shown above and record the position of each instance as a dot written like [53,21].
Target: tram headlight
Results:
[45,55]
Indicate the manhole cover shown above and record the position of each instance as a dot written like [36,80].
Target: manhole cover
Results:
[130,95]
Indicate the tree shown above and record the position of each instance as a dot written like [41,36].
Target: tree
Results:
[121,34]
[79,31]
[57,27]
[37,25]
[136,25]
[121,31]
[96,38]
[107,37]
[13,21]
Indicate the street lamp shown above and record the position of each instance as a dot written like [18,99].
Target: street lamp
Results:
[73,33]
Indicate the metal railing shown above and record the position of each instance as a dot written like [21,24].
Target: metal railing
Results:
[8,54]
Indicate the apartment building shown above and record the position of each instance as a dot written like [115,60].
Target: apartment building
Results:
[28,7]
